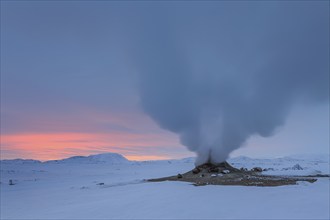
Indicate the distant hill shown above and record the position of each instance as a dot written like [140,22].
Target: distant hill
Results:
[111,158]
[21,161]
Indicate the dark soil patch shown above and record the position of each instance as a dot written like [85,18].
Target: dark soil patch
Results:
[224,174]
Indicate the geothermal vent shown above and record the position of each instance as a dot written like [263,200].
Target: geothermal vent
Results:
[225,174]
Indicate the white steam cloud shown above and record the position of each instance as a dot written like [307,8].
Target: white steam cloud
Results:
[216,75]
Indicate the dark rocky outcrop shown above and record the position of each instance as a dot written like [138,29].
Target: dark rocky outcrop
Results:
[256,169]
[225,174]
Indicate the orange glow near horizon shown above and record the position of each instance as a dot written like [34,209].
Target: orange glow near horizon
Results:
[141,158]
[134,135]
[52,146]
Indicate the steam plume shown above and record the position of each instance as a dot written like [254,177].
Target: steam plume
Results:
[217,75]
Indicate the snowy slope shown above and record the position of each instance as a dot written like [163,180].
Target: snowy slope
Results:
[112,158]
[94,188]
[20,161]
[290,165]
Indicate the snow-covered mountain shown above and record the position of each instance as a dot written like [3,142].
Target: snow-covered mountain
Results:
[111,158]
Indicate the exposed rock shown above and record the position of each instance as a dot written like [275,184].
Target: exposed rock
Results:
[267,169]
[196,170]
[205,166]
[179,176]
[297,167]
[256,169]
[213,170]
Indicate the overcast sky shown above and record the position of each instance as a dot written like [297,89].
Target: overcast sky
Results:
[71,72]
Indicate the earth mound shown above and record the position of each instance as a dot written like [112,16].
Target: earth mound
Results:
[225,174]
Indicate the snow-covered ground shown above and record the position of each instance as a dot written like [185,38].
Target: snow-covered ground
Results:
[109,186]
